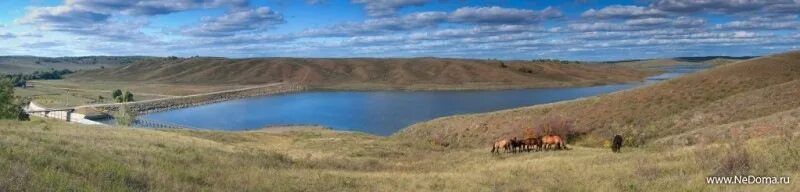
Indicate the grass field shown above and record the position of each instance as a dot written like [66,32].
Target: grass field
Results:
[54,156]
[63,93]
[29,64]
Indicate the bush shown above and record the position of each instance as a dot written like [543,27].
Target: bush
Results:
[128,97]
[116,94]
[9,108]
[125,116]
[556,125]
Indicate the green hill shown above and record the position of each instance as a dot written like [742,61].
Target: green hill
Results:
[29,64]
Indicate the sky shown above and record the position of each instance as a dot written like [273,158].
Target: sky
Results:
[591,30]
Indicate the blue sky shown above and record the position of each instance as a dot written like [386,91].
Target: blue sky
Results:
[505,29]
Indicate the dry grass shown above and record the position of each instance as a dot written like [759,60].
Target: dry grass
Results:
[658,64]
[52,156]
[725,94]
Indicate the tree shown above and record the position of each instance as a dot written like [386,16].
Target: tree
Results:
[128,97]
[117,95]
[9,109]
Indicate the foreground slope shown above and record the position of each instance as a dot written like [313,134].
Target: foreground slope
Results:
[368,73]
[725,94]
[57,156]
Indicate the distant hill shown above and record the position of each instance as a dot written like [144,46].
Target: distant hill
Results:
[29,64]
[658,63]
[367,73]
[758,96]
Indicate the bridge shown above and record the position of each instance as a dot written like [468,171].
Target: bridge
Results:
[58,113]
[154,105]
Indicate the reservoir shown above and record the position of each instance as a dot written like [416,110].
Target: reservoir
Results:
[376,112]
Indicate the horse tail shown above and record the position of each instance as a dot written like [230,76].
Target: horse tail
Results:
[494,147]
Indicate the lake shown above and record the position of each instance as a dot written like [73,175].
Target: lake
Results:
[375,112]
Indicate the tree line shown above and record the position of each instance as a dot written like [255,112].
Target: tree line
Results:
[19,79]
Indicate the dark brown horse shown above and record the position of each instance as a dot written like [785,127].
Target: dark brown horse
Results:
[516,145]
[504,144]
[551,142]
[531,143]
[616,143]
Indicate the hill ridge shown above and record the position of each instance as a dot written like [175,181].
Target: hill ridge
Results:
[346,73]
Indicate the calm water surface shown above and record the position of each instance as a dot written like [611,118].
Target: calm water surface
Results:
[374,112]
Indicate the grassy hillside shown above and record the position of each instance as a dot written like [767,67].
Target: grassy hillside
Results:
[56,156]
[656,64]
[366,73]
[29,64]
[723,95]
[736,119]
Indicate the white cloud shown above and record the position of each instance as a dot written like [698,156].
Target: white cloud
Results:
[7,36]
[498,15]
[729,6]
[647,21]
[149,7]
[623,11]
[382,8]
[236,21]
[763,23]
[422,20]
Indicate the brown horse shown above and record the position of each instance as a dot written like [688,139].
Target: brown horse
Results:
[531,143]
[516,145]
[504,144]
[616,143]
[553,142]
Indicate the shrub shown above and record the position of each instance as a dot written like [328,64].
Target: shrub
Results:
[736,160]
[557,125]
[125,116]
[9,109]
[128,97]
[116,94]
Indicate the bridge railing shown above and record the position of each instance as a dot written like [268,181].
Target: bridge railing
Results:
[149,123]
[63,114]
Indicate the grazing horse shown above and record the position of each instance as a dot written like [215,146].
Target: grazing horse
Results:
[616,143]
[504,144]
[553,142]
[531,143]
[516,145]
